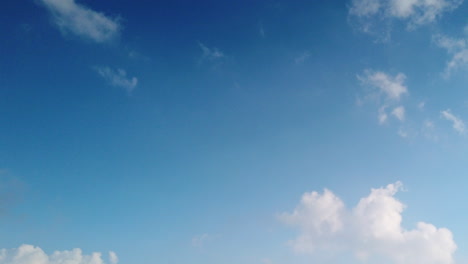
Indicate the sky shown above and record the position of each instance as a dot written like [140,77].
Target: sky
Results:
[256,132]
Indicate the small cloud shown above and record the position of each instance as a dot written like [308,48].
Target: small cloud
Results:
[421,105]
[82,21]
[382,115]
[301,58]
[457,123]
[267,261]
[399,113]
[198,241]
[261,30]
[457,48]
[210,54]
[429,124]
[117,78]
[402,133]
[113,259]
[392,87]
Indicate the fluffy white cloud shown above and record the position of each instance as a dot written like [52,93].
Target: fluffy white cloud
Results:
[372,228]
[28,254]
[457,48]
[82,21]
[416,12]
[457,123]
[391,86]
[117,78]
[399,113]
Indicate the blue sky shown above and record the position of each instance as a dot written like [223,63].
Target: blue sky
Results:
[233,132]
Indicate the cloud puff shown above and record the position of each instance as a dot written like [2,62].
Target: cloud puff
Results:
[392,87]
[457,123]
[28,254]
[82,21]
[457,48]
[117,78]
[399,113]
[416,12]
[372,228]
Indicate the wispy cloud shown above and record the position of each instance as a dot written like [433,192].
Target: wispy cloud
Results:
[82,21]
[261,30]
[199,241]
[301,58]
[457,123]
[392,87]
[416,12]
[457,48]
[372,227]
[210,54]
[117,78]
[28,254]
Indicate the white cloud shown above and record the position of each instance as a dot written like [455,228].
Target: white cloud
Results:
[457,48]
[210,54]
[391,86]
[113,259]
[28,254]
[399,113]
[457,123]
[82,21]
[372,228]
[416,12]
[117,78]
[382,115]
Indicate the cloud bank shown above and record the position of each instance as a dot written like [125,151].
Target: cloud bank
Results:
[415,12]
[82,21]
[371,229]
[28,254]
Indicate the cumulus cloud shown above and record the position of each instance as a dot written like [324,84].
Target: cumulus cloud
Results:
[457,49]
[415,12]
[28,254]
[399,113]
[457,123]
[391,86]
[82,21]
[371,229]
[117,78]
